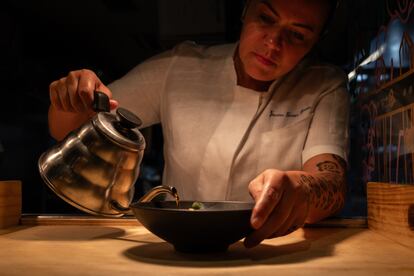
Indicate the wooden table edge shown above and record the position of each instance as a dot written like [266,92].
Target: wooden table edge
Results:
[35,219]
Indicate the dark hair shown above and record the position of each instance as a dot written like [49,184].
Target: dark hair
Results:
[328,22]
[246,5]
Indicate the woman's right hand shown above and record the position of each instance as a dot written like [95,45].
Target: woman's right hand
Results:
[74,93]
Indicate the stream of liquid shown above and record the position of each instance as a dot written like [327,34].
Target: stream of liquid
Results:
[177,198]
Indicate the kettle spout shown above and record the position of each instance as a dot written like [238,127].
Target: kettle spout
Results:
[162,189]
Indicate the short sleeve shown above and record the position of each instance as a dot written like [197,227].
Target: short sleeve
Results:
[140,89]
[328,131]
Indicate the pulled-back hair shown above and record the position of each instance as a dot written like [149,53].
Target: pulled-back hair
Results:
[332,10]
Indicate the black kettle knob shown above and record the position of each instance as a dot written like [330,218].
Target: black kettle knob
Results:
[127,119]
[100,102]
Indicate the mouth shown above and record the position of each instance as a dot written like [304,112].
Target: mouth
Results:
[265,61]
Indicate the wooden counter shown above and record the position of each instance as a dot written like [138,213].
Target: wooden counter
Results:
[131,250]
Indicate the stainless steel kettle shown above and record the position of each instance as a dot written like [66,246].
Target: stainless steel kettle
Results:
[95,167]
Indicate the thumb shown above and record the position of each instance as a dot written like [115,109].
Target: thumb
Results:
[113,104]
[266,201]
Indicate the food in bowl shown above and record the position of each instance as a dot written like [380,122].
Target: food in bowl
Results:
[196,206]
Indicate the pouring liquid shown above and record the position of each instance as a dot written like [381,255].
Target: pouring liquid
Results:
[177,200]
[160,190]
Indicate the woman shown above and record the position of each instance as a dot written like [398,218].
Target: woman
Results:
[258,119]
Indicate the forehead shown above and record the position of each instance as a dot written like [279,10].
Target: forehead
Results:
[311,11]
[295,3]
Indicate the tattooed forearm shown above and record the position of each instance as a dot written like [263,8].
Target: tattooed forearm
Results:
[328,166]
[327,186]
[325,191]
[340,161]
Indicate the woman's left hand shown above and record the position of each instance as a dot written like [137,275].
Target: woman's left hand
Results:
[281,206]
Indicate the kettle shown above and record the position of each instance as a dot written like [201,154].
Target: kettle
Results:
[95,167]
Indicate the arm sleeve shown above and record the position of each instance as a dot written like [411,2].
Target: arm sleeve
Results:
[140,90]
[328,132]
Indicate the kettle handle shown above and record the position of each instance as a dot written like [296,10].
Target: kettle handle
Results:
[118,207]
[100,102]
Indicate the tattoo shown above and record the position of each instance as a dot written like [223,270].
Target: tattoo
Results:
[327,188]
[328,166]
[340,161]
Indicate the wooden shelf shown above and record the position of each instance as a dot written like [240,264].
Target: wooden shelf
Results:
[391,211]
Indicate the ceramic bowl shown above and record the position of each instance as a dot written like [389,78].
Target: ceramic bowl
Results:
[210,229]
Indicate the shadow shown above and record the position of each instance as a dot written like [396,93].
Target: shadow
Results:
[67,233]
[300,246]
[411,217]
[146,238]
[13,229]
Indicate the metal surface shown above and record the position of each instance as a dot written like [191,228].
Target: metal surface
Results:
[94,166]
[110,126]
[160,190]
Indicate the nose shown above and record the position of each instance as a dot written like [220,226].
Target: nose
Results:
[274,39]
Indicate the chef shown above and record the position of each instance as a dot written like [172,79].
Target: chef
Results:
[259,120]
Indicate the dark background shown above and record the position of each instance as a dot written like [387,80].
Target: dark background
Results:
[43,40]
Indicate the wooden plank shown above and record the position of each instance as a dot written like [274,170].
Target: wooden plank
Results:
[98,250]
[340,223]
[386,85]
[10,203]
[391,211]
[34,220]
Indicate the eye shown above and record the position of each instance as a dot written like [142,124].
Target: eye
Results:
[296,36]
[266,19]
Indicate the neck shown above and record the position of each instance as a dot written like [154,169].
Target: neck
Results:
[244,80]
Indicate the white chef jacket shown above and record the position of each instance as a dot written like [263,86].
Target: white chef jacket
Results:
[219,136]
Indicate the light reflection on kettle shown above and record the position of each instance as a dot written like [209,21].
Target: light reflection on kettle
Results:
[97,164]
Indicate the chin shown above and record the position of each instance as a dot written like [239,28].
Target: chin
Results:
[262,76]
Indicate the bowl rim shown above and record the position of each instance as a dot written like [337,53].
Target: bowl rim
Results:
[249,206]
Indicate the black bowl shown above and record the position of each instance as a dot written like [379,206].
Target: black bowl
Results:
[210,229]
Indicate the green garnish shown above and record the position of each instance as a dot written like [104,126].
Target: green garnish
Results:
[197,205]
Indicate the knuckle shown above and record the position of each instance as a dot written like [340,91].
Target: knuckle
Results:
[296,187]
[87,73]
[52,85]
[255,189]
[84,71]
[252,185]
[85,88]
[70,84]
[272,193]
[72,75]
[259,212]
[62,81]
[284,178]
